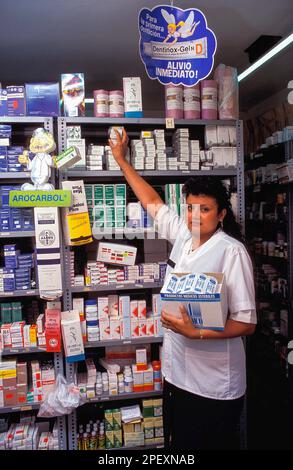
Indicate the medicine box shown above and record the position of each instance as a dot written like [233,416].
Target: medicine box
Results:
[42,99]
[206,310]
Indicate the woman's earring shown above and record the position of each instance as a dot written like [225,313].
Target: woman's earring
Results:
[221,223]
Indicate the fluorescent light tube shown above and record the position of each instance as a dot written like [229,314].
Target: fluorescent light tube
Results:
[275,50]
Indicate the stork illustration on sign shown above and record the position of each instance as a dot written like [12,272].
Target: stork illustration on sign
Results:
[186,28]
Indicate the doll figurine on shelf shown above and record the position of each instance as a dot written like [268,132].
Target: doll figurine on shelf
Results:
[41,144]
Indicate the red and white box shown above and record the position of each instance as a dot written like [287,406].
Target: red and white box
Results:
[6,335]
[142,323]
[150,326]
[103,308]
[104,329]
[142,311]
[134,309]
[115,328]
[113,305]
[134,329]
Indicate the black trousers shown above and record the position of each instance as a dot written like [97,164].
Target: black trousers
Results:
[194,422]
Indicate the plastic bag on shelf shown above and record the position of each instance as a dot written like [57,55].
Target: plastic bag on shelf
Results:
[62,400]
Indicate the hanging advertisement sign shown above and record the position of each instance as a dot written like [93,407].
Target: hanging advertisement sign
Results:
[176,46]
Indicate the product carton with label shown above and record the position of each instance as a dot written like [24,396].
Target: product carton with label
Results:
[206,310]
[72,336]
[76,222]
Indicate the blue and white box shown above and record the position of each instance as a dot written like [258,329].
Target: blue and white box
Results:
[206,310]
[3,102]
[15,100]
[42,99]
[11,256]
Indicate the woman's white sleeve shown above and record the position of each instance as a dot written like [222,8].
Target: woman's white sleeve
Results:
[168,224]
[240,286]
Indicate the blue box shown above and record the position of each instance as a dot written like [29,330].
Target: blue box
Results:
[42,99]
[15,100]
[5,131]
[10,256]
[3,102]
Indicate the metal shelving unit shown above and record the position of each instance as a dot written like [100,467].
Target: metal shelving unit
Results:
[15,409]
[9,352]
[20,293]
[124,342]
[98,127]
[101,175]
[125,396]
[116,287]
[25,126]
[25,233]
[267,366]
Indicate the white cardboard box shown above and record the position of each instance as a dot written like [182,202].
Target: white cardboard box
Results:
[206,310]
[49,264]
[116,254]
[72,336]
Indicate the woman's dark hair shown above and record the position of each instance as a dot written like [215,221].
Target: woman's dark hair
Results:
[214,187]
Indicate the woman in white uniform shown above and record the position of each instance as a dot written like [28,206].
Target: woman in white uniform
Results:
[204,370]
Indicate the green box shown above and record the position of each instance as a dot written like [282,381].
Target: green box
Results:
[148,409]
[16,311]
[108,420]
[116,419]
[89,193]
[120,194]
[109,191]
[120,216]
[109,216]
[99,194]
[99,216]
[6,313]
[109,439]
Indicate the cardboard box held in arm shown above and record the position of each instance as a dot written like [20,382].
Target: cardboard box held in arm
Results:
[76,222]
[207,309]
[72,336]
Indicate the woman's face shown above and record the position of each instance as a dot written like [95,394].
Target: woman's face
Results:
[202,212]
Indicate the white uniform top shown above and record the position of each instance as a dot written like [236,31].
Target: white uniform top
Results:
[40,168]
[209,368]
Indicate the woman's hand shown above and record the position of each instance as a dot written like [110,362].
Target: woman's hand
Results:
[182,326]
[119,148]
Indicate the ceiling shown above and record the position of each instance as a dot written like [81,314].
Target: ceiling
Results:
[40,39]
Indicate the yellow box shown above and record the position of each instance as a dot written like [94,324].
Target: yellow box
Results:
[33,334]
[78,229]
[76,222]
[158,421]
[109,439]
[128,428]
[149,422]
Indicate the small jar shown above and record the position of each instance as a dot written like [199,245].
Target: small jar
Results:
[116,104]
[101,103]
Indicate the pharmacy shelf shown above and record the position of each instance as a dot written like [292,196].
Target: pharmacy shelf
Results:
[25,233]
[111,287]
[23,119]
[146,447]
[124,342]
[15,409]
[124,232]
[14,175]
[9,352]
[78,173]
[125,396]
[146,121]
[20,293]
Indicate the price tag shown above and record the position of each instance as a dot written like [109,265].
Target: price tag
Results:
[185,171]
[5,234]
[26,408]
[170,124]
[126,342]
